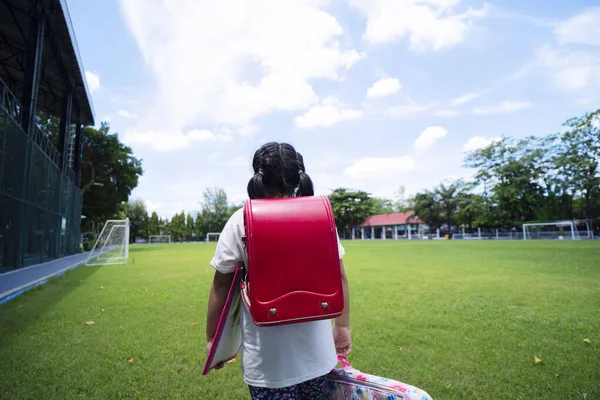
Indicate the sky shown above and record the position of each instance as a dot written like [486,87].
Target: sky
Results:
[375,94]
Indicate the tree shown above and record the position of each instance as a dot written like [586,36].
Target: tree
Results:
[189,228]
[215,211]
[177,227]
[473,212]
[109,173]
[138,219]
[555,200]
[199,227]
[401,203]
[154,224]
[578,159]
[426,207]
[381,206]
[163,226]
[509,170]
[49,125]
[350,207]
[450,196]
[233,208]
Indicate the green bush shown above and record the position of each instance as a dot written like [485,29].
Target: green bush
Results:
[88,245]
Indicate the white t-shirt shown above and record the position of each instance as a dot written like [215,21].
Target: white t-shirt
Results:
[276,356]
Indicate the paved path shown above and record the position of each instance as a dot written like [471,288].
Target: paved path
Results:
[13,283]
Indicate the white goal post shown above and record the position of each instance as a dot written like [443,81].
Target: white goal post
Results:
[213,236]
[159,239]
[537,231]
[112,246]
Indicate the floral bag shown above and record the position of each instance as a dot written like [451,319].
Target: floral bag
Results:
[351,384]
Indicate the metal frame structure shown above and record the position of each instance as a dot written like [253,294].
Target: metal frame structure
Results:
[40,70]
[159,236]
[123,254]
[209,234]
[552,223]
[39,48]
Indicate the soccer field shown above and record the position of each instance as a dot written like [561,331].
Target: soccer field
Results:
[461,320]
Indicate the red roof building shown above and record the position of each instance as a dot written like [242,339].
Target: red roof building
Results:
[389,226]
[390,219]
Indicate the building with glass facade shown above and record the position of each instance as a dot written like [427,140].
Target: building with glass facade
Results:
[40,71]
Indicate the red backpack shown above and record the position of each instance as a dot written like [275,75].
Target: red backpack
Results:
[293,272]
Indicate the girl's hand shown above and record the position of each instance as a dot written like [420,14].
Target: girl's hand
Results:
[342,339]
[208,347]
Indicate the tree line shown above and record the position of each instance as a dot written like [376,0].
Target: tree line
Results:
[547,178]
[109,170]
[182,227]
[532,179]
[552,177]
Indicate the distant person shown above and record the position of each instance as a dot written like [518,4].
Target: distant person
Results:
[287,361]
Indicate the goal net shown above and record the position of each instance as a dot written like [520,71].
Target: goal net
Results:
[213,236]
[556,230]
[112,246]
[159,239]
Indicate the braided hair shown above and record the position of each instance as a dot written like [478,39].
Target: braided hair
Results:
[278,171]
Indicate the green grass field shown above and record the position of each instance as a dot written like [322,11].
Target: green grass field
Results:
[462,320]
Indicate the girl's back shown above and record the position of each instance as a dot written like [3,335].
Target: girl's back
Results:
[292,357]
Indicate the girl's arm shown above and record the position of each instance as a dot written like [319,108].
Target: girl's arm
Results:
[344,319]
[341,327]
[216,301]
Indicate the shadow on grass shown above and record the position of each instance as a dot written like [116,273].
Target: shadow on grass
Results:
[145,248]
[28,308]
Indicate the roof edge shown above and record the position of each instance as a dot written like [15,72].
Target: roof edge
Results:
[68,22]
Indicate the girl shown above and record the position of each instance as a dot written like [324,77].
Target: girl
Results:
[288,361]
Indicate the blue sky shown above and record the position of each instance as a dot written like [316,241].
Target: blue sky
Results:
[374,93]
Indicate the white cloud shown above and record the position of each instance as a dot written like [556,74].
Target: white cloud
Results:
[571,62]
[328,113]
[571,69]
[93,81]
[232,67]
[429,136]
[165,209]
[583,28]
[411,109]
[181,193]
[241,161]
[468,97]
[505,107]
[428,24]
[478,142]
[384,87]
[446,113]
[167,141]
[126,114]
[152,206]
[379,168]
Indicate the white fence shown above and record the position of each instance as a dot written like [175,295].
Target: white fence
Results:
[497,235]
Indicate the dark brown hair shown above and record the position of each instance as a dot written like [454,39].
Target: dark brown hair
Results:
[279,167]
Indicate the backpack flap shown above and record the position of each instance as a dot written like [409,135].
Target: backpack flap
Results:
[293,272]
